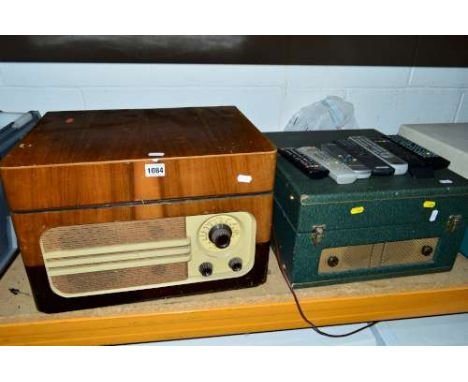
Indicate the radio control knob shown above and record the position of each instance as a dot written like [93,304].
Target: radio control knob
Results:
[235,264]
[206,269]
[220,235]
[333,261]
[426,250]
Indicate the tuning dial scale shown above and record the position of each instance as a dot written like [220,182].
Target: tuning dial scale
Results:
[219,234]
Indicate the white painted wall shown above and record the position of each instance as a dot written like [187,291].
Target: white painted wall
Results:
[384,97]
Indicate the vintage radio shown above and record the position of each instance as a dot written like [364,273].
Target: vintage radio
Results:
[381,226]
[119,206]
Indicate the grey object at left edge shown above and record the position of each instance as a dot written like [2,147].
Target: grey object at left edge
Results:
[13,127]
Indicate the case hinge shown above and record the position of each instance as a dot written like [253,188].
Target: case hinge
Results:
[453,222]
[318,232]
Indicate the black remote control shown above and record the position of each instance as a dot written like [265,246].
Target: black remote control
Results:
[417,167]
[308,166]
[377,166]
[432,159]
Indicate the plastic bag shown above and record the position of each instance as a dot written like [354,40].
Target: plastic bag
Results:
[328,114]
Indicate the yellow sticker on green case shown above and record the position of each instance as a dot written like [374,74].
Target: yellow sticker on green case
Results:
[357,210]
[429,204]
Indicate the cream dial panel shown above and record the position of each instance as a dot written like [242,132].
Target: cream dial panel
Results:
[190,252]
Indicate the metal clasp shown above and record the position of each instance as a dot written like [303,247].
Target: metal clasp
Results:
[318,232]
[453,222]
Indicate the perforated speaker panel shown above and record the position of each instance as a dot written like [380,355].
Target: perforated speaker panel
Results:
[371,256]
[119,279]
[114,233]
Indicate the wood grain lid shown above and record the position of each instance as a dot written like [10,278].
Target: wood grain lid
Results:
[70,137]
[76,158]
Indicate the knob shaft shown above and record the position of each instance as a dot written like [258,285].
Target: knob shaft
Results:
[206,269]
[220,235]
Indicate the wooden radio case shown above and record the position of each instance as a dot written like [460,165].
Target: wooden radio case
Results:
[117,206]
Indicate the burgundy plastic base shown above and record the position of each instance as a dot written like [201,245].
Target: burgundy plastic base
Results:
[49,302]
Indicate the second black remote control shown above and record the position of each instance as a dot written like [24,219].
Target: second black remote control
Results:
[377,166]
[308,166]
[417,167]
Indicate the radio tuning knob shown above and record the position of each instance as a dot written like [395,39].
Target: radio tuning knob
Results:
[206,269]
[220,235]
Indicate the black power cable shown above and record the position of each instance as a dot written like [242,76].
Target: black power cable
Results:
[299,308]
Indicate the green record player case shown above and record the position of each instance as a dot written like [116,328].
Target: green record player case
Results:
[374,228]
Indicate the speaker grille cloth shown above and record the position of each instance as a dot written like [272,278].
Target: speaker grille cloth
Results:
[121,278]
[371,256]
[407,251]
[114,234]
[98,235]
[352,257]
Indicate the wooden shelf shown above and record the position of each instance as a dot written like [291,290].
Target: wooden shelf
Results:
[265,308]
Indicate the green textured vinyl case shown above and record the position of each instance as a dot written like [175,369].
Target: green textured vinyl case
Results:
[382,226]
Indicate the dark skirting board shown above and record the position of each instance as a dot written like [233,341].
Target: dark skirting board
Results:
[439,51]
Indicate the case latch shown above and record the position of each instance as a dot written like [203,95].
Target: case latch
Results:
[453,222]
[318,232]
